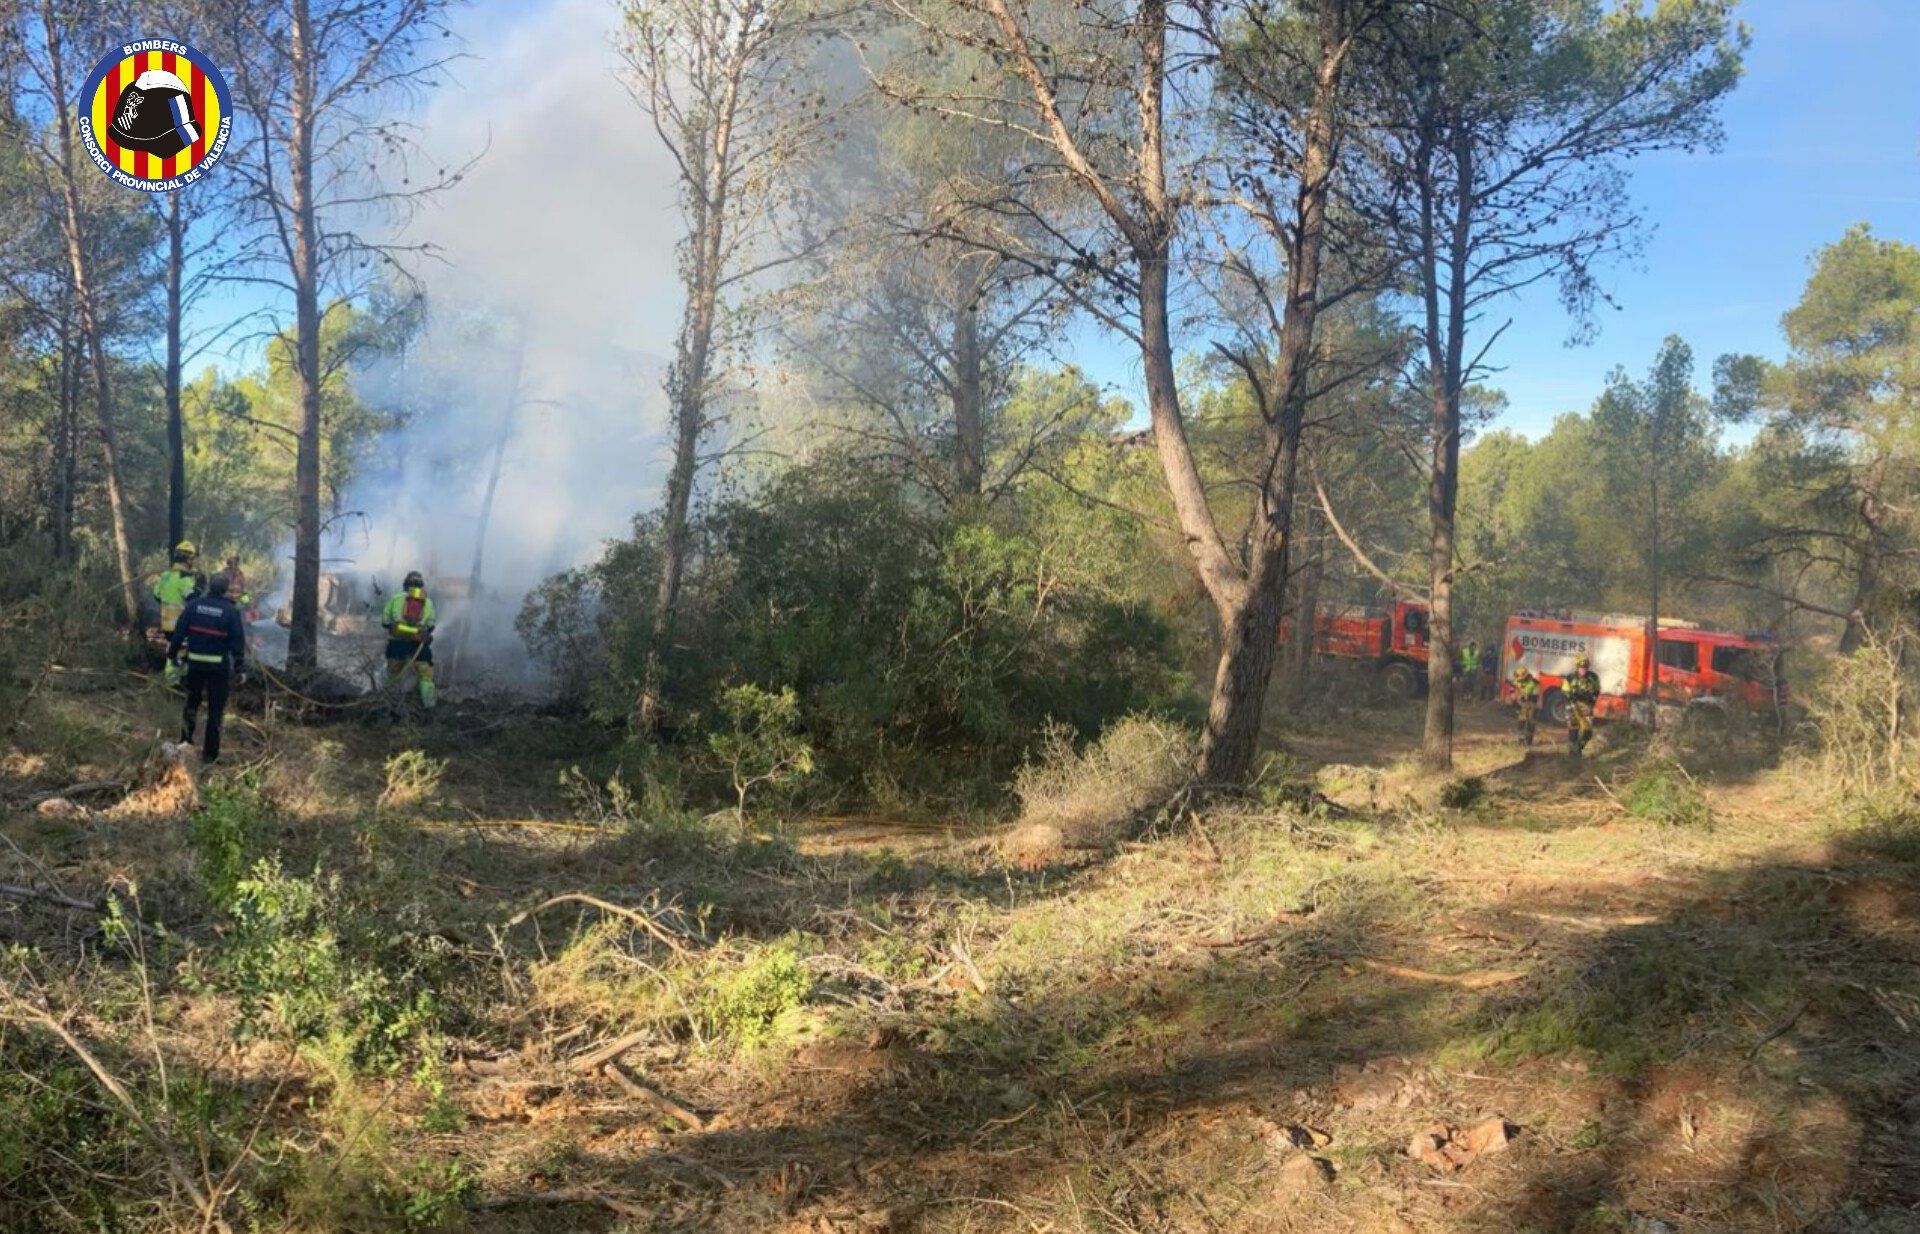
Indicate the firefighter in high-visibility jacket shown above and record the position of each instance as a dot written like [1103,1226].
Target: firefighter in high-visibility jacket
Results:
[408,619]
[176,585]
[213,637]
[1526,702]
[1582,690]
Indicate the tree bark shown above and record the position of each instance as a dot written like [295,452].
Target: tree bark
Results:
[92,327]
[1653,591]
[969,398]
[1306,607]
[1446,317]
[66,437]
[1251,635]
[1866,577]
[303,640]
[688,382]
[176,431]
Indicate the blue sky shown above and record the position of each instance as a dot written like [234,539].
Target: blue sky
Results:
[1822,132]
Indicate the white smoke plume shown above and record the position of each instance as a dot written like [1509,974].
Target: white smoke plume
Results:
[556,262]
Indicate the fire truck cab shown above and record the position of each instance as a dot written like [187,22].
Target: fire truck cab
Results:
[1393,638]
[1690,664]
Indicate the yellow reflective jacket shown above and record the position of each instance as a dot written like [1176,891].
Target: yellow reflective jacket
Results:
[173,587]
[394,618]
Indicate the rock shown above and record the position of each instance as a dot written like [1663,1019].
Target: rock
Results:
[1435,1147]
[1379,1084]
[1303,1172]
[1486,1137]
[1448,1149]
[61,808]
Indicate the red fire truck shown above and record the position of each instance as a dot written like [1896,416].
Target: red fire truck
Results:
[1691,663]
[1392,639]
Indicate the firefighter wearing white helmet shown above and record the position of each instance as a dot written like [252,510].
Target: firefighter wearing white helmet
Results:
[408,619]
[154,115]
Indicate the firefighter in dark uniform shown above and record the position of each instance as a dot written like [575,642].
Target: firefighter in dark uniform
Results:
[1582,689]
[212,636]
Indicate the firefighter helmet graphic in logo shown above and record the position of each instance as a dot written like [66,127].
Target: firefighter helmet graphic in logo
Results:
[155,115]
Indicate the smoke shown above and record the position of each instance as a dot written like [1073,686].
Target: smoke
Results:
[548,313]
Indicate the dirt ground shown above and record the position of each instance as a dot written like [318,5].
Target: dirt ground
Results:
[1515,999]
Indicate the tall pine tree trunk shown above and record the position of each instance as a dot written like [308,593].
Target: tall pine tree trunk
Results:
[92,325]
[176,431]
[66,436]
[303,636]
[1446,328]
[969,395]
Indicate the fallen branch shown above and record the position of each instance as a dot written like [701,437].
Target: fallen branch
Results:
[599,1056]
[1479,980]
[961,954]
[639,918]
[16,892]
[1591,923]
[100,908]
[1786,1022]
[210,1217]
[654,1097]
[617,1205]
[75,790]
[1275,925]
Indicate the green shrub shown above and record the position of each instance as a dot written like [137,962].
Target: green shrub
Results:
[306,967]
[762,746]
[224,834]
[413,780]
[754,1005]
[923,650]
[1667,797]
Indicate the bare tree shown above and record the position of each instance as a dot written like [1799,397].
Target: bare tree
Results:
[719,81]
[1097,103]
[327,174]
[1498,153]
[52,65]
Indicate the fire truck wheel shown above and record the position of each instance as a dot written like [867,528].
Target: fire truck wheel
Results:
[1555,705]
[1401,680]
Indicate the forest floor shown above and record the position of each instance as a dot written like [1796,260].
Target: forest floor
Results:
[1646,992]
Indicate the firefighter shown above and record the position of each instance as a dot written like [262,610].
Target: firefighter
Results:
[238,590]
[1470,667]
[1582,690]
[409,623]
[212,638]
[1526,702]
[178,584]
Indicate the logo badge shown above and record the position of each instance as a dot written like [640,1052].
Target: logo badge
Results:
[155,115]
